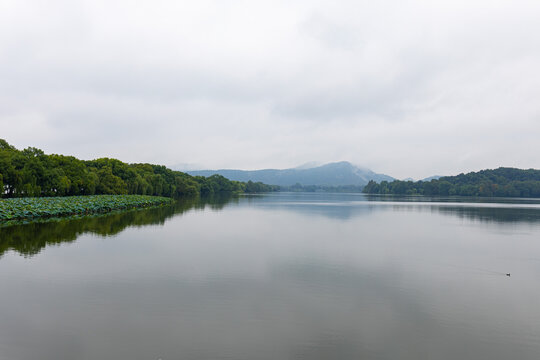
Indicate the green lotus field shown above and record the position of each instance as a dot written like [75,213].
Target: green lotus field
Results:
[29,208]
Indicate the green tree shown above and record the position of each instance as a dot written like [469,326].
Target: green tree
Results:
[31,172]
[110,183]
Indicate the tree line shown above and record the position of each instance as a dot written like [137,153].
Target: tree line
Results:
[507,182]
[32,173]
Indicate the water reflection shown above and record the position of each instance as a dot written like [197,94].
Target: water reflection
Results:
[347,206]
[30,238]
[279,277]
[394,317]
[497,215]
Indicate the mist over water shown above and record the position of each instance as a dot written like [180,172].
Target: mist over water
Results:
[279,276]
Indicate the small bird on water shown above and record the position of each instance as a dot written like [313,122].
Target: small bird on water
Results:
[508,274]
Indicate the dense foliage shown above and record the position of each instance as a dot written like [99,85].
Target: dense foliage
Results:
[498,182]
[257,187]
[28,208]
[32,173]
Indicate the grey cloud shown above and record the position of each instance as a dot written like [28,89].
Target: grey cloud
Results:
[407,88]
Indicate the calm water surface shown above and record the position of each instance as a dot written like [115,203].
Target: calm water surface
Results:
[282,276]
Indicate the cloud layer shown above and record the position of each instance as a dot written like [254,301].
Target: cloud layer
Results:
[409,88]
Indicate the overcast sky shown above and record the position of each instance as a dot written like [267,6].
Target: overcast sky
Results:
[407,88]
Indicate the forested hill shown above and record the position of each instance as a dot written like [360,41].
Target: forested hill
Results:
[30,172]
[498,182]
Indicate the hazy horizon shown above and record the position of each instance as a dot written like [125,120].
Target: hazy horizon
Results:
[404,88]
[314,164]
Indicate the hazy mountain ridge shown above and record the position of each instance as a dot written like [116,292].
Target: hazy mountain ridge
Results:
[434,177]
[333,174]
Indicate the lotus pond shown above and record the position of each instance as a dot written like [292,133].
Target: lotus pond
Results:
[30,208]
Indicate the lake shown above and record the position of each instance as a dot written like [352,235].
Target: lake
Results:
[277,276]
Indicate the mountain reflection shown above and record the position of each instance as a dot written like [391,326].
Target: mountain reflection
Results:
[30,238]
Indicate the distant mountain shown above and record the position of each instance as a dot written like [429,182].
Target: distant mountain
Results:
[332,174]
[434,177]
[185,167]
[309,165]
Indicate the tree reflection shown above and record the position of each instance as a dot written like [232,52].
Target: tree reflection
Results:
[29,239]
